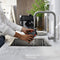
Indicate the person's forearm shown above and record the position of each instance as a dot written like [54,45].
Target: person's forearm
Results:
[23,28]
[12,25]
[17,35]
[27,38]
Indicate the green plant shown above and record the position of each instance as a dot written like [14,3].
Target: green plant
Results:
[39,5]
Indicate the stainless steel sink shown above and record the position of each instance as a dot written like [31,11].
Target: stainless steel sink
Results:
[36,42]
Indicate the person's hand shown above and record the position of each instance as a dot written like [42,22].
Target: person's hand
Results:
[26,31]
[27,38]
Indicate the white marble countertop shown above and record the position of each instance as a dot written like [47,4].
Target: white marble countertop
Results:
[8,52]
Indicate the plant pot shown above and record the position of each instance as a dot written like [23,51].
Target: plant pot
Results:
[40,23]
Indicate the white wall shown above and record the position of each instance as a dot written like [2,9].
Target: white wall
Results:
[6,6]
[57,11]
[55,7]
[51,18]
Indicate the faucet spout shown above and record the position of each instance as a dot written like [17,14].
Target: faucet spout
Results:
[54,21]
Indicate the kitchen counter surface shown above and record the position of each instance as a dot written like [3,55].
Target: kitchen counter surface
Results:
[8,52]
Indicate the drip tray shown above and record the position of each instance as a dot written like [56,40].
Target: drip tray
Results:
[37,42]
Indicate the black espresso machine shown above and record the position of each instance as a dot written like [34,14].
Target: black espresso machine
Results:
[27,21]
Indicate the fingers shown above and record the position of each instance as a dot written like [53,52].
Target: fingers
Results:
[30,35]
[29,30]
[30,39]
[26,32]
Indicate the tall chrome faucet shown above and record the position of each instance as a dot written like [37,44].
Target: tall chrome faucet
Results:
[54,21]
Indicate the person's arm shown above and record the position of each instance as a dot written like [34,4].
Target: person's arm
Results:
[13,25]
[6,30]
[9,23]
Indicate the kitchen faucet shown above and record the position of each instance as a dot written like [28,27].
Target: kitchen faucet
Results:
[54,21]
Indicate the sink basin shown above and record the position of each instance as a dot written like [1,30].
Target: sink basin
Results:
[40,40]
[36,42]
